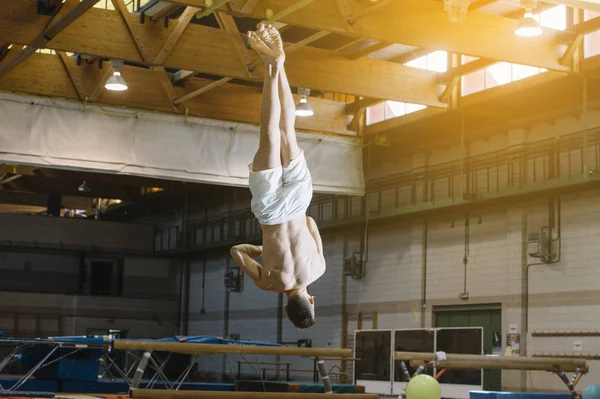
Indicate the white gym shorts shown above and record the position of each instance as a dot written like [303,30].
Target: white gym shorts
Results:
[281,194]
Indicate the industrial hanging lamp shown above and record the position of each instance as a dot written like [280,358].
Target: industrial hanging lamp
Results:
[83,187]
[303,108]
[116,81]
[528,26]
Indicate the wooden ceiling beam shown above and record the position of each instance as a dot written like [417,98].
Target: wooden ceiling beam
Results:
[586,27]
[248,6]
[182,24]
[68,13]
[99,86]
[477,4]
[70,69]
[369,50]
[44,75]
[206,11]
[575,44]
[355,106]
[466,69]
[227,23]
[208,50]
[163,78]
[353,18]
[288,50]
[425,24]
[127,19]
[292,8]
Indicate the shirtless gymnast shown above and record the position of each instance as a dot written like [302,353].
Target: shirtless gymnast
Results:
[281,187]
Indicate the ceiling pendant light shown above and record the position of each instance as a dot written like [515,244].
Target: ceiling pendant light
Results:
[116,81]
[83,187]
[303,108]
[528,26]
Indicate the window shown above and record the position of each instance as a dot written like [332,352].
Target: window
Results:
[390,109]
[503,72]
[436,61]
[591,41]
[102,277]
[553,18]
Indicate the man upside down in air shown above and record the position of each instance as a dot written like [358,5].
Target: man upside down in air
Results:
[281,187]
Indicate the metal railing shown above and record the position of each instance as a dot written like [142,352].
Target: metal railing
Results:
[564,161]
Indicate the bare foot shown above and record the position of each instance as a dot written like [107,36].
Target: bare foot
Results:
[264,51]
[270,36]
[275,43]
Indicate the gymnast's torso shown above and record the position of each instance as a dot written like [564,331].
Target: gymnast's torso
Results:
[290,258]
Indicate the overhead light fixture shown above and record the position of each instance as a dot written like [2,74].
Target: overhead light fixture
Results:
[83,187]
[528,26]
[303,108]
[116,81]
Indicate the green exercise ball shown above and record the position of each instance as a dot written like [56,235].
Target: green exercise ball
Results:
[592,392]
[423,387]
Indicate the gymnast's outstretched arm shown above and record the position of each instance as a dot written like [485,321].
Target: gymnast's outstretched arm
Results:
[242,255]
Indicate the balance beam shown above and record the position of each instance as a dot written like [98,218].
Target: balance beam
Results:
[496,362]
[165,394]
[211,349]
[483,365]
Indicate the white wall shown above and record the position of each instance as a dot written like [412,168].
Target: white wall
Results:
[563,296]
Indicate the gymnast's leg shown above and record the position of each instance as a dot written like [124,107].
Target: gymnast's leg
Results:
[269,149]
[289,145]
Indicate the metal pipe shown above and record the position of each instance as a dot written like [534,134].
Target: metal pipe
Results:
[344,310]
[139,372]
[184,299]
[279,329]
[202,309]
[466,256]
[324,376]
[226,322]
[424,245]
[558,239]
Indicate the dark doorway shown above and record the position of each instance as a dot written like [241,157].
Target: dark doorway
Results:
[489,317]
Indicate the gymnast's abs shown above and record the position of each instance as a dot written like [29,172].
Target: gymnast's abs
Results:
[281,186]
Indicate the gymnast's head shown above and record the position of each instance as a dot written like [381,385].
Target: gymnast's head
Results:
[300,308]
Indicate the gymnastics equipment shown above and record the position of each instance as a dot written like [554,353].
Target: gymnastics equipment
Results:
[160,394]
[211,349]
[592,392]
[457,361]
[496,362]
[423,387]
[54,356]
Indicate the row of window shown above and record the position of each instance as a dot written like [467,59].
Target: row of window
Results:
[492,76]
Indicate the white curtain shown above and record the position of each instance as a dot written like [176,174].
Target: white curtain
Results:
[61,134]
